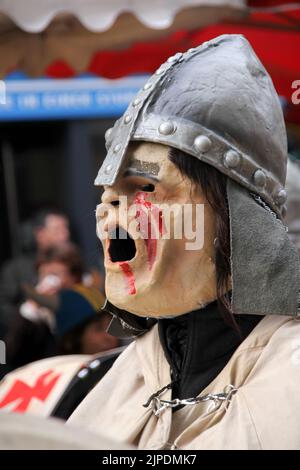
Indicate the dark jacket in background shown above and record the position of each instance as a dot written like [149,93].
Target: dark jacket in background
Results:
[13,274]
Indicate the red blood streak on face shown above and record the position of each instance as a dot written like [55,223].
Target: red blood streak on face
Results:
[161,226]
[129,277]
[152,215]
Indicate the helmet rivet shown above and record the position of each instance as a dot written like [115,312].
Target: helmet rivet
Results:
[147,86]
[202,143]
[136,102]
[231,159]
[167,128]
[281,197]
[175,58]
[117,148]
[108,133]
[108,169]
[127,118]
[260,178]
[171,59]
[160,71]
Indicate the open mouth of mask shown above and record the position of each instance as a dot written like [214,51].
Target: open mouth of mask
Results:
[122,246]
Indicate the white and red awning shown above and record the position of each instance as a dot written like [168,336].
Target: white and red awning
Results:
[117,38]
[99,16]
[35,33]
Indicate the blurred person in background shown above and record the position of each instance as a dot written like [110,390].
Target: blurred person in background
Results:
[60,315]
[48,228]
[30,336]
[80,323]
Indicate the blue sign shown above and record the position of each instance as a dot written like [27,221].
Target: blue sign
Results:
[84,97]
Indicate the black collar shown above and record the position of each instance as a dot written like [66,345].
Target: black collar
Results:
[198,345]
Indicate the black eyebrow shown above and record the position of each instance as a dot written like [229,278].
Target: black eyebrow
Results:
[142,174]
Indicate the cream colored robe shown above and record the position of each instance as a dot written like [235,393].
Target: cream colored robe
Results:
[263,414]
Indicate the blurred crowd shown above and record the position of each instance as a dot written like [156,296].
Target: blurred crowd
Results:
[50,303]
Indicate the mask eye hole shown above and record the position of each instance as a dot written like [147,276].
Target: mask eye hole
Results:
[115,203]
[148,188]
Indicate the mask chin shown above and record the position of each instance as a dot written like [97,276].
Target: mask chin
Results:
[166,296]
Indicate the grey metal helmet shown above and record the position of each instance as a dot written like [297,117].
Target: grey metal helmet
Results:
[217,103]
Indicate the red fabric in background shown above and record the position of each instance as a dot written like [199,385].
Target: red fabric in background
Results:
[275,39]
[278,50]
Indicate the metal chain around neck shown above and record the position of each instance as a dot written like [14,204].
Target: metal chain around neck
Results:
[216,398]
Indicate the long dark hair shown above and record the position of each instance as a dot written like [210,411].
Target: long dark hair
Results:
[213,186]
